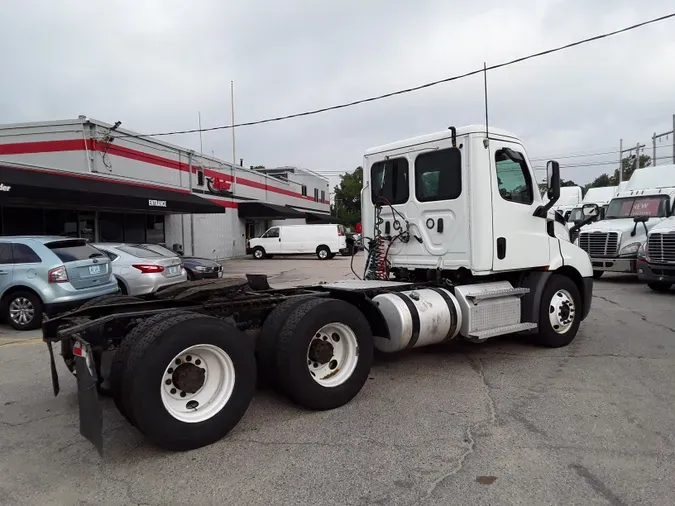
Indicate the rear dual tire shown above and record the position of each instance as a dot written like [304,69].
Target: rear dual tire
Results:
[318,352]
[182,409]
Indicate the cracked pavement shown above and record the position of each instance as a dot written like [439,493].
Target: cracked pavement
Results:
[499,423]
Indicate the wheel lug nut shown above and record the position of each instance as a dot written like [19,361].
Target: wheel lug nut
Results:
[177,361]
[173,391]
[198,361]
[188,358]
[183,394]
[168,382]
[316,365]
[170,371]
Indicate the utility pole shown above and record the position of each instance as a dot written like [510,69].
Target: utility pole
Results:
[629,151]
[234,151]
[665,134]
[620,161]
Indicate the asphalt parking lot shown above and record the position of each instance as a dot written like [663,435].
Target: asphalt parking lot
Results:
[498,423]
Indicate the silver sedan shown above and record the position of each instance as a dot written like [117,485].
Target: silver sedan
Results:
[140,270]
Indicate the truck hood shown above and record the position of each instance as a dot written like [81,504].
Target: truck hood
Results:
[620,225]
[665,226]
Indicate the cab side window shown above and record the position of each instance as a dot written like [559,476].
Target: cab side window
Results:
[389,181]
[513,177]
[272,233]
[438,175]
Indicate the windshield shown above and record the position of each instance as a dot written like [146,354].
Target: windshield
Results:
[576,215]
[628,207]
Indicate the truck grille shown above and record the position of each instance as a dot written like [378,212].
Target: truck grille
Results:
[661,248]
[599,244]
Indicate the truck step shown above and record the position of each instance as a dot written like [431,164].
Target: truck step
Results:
[495,294]
[482,335]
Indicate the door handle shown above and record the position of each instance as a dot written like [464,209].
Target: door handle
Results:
[501,248]
[3,273]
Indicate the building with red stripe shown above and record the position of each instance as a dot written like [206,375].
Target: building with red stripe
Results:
[86,178]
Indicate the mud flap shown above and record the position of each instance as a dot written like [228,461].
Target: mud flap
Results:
[52,365]
[91,418]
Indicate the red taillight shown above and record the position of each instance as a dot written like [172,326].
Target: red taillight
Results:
[339,232]
[182,266]
[58,275]
[77,350]
[148,268]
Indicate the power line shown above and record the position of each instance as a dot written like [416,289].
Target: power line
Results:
[414,88]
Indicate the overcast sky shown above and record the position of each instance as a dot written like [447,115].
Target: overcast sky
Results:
[153,64]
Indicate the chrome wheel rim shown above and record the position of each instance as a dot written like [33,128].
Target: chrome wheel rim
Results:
[561,311]
[21,311]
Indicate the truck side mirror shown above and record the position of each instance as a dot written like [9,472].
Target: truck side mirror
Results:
[589,210]
[553,179]
[640,219]
[553,185]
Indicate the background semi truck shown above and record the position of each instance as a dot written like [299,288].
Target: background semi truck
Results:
[459,243]
[646,200]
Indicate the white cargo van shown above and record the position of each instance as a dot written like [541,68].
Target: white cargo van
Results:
[324,241]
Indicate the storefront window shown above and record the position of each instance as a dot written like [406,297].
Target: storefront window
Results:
[155,228]
[62,223]
[87,221]
[22,221]
[111,227]
[134,228]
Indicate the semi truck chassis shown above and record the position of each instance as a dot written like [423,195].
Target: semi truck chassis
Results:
[182,364]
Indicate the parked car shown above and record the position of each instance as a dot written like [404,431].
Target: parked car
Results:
[140,270]
[324,241]
[196,267]
[49,275]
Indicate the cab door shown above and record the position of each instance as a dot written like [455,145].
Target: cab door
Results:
[271,241]
[520,239]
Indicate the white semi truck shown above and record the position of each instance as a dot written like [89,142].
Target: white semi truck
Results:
[656,257]
[646,200]
[459,244]
[600,197]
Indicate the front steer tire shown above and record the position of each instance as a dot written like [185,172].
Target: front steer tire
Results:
[298,331]
[146,367]
[547,335]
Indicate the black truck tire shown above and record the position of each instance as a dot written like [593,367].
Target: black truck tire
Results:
[266,342]
[208,350]
[306,326]
[561,299]
[661,287]
[107,300]
[119,380]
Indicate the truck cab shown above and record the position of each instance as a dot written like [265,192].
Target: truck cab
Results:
[656,257]
[600,197]
[647,199]
[473,206]
[464,206]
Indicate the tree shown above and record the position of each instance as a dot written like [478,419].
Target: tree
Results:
[628,165]
[347,206]
[563,182]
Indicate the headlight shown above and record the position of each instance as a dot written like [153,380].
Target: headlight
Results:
[642,251]
[630,249]
[200,268]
